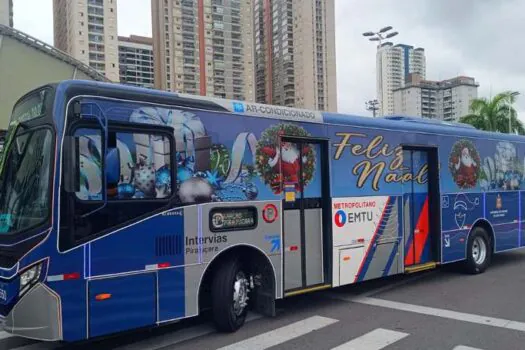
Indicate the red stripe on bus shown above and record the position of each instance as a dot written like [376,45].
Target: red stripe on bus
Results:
[422,228]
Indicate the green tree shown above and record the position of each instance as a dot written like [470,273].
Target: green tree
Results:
[493,114]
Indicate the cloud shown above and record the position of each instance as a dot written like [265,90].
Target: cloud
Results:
[461,37]
[468,37]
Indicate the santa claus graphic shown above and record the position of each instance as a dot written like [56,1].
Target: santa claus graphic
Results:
[466,167]
[286,161]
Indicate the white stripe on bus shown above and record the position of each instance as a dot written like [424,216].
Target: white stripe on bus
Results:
[282,335]
[463,347]
[374,340]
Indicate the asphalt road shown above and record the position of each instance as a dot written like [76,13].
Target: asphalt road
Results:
[439,309]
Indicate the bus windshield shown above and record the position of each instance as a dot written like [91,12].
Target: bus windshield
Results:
[24,183]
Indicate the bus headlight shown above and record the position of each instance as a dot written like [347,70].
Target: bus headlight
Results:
[29,278]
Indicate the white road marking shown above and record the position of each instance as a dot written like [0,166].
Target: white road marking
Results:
[443,313]
[375,340]
[39,346]
[178,336]
[394,285]
[463,347]
[282,335]
[5,335]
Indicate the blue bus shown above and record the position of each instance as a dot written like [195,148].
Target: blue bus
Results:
[123,208]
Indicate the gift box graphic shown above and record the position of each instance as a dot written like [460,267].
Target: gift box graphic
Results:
[191,140]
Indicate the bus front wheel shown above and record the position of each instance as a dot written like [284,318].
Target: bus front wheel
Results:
[230,290]
[479,252]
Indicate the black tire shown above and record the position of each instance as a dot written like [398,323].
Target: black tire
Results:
[224,315]
[475,265]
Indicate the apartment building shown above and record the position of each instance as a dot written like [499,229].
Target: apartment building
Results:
[6,13]
[136,60]
[446,100]
[204,47]
[394,64]
[87,30]
[295,53]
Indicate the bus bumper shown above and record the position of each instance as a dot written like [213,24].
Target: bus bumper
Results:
[36,316]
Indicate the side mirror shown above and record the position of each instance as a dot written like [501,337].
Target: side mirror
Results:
[71,164]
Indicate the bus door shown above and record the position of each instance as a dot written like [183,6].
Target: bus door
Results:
[303,175]
[420,196]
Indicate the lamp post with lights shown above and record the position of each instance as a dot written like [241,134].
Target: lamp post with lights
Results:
[372,105]
[380,35]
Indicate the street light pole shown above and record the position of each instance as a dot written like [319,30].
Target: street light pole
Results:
[372,105]
[379,36]
[513,94]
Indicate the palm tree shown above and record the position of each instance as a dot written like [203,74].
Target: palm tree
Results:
[493,114]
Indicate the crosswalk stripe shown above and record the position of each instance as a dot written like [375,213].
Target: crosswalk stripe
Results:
[463,347]
[178,336]
[443,313]
[282,335]
[39,346]
[374,340]
[5,335]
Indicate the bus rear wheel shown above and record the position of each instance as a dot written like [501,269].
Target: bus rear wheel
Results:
[230,290]
[479,252]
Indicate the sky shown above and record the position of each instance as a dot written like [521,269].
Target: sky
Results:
[478,38]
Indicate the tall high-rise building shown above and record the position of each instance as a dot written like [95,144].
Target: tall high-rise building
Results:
[204,47]
[394,64]
[87,30]
[6,12]
[295,53]
[136,60]
[447,100]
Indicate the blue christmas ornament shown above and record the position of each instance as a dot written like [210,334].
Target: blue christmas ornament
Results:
[126,190]
[184,174]
[139,194]
[232,192]
[163,176]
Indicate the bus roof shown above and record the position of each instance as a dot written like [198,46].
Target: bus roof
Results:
[405,123]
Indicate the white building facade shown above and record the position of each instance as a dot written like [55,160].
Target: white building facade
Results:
[394,63]
[446,100]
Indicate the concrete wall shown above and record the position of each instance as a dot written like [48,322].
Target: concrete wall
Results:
[23,68]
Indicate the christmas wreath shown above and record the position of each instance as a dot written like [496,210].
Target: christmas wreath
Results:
[275,172]
[464,164]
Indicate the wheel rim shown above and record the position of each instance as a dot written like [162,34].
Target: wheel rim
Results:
[479,250]
[240,293]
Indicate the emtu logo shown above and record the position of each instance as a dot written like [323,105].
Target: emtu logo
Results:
[340,218]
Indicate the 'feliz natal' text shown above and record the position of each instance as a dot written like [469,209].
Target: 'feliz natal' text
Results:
[368,168]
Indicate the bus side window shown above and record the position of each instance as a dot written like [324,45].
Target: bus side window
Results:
[90,162]
[145,166]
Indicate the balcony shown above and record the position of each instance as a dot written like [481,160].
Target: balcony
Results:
[95,11]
